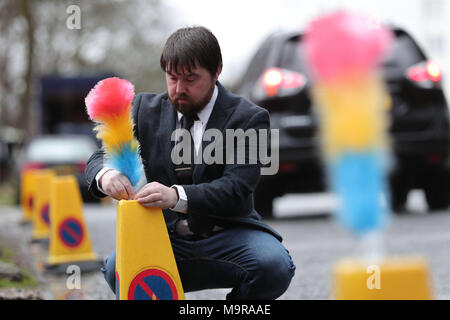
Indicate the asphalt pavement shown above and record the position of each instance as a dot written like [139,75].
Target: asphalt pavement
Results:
[311,234]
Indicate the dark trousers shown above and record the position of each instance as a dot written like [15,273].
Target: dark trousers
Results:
[251,262]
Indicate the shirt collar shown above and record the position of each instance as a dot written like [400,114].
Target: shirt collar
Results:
[205,113]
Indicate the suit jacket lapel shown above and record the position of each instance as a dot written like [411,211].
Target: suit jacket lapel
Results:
[166,127]
[218,118]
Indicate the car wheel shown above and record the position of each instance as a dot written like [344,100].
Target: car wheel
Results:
[437,192]
[263,198]
[398,194]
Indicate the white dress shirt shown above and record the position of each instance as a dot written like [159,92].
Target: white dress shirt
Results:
[197,131]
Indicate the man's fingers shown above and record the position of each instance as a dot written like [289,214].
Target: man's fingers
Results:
[155,204]
[127,186]
[157,195]
[151,198]
[142,192]
[130,191]
[116,185]
[117,191]
[146,190]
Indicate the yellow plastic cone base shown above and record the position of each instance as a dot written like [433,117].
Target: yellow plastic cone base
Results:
[391,279]
[145,263]
[69,237]
[27,187]
[41,209]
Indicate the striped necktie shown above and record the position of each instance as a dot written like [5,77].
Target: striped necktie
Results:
[184,171]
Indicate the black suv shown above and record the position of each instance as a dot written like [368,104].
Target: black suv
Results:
[277,80]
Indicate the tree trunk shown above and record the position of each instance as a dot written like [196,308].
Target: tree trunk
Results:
[23,120]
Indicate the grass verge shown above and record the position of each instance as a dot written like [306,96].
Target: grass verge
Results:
[28,281]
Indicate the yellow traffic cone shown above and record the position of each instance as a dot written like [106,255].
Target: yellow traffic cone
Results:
[27,186]
[390,279]
[41,209]
[145,263]
[69,238]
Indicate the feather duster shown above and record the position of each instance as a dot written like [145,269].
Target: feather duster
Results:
[108,104]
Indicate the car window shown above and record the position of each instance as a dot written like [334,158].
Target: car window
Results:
[292,57]
[60,150]
[256,67]
[404,52]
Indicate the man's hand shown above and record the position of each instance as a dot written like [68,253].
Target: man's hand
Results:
[116,185]
[155,194]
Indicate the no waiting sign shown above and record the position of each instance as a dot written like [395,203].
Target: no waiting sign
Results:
[152,284]
[71,232]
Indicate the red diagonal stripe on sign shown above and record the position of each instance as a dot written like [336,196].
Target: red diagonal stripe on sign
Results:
[77,237]
[147,290]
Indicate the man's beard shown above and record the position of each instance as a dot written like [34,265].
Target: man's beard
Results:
[189,109]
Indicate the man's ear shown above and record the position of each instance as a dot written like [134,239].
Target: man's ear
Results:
[219,70]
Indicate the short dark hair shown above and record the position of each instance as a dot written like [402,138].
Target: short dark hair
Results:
[191,45]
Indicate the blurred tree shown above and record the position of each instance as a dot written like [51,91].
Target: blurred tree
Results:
[121,37]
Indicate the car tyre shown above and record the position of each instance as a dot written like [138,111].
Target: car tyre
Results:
[398,194]
[437,191]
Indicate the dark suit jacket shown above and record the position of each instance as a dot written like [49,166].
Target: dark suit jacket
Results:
[221,194]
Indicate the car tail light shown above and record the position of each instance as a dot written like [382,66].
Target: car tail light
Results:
[82,166]
[433,71]
[426,74]
[275,79]
[435,158]
[287,167]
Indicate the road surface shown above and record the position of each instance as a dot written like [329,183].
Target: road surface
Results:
[311,234]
